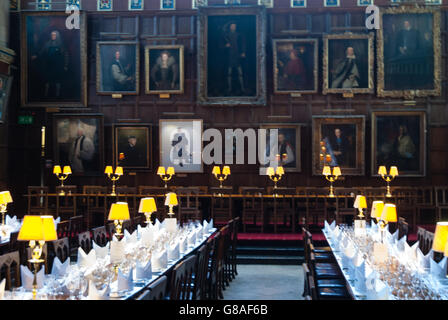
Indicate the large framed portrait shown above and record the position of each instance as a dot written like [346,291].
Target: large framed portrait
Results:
[295,66]
[343,139]
[132,146]
[53,61]
[180,143]
[289,147]
[231,56]
[117,67]
[348,63]
[5,90]
[79,142]
[409,53]
[164,69]
[399,139]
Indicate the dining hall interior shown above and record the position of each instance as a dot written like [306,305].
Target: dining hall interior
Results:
[223,150]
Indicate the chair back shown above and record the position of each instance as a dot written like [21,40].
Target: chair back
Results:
[63,229]
[84,241]
[37,200]
[201,272]
[100,236]
[156,290]
[10,269]
[182,279]
[92,190]
[421,234]
[61,249]
[151,190]
[403,228]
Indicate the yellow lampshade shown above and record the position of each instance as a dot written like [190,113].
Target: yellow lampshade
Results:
[226,170]
[382,171]
[57,170]
[326,171]
[280,171]
[171,199]
[389,213]
[147,205]
[360,202]
[216,170]
[270,171]
[38,228]
[119,211]
[377,209]
[67,170]
[119,171]
[440,237]
[446,251]
[109,170]
[337,171]
[5,197]
[170,170]
[161,171]
[393,171]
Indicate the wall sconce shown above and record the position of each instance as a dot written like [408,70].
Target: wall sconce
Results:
[221,176]
[62,175]
[113,176]
[331,177]
[165,175]
[393,172]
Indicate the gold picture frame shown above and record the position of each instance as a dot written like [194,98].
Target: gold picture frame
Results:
[382,91]
[367,63]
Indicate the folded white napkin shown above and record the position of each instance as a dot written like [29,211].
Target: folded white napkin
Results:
[173,252]
[192,238]
[170,224]
[336,233]
[27,277]
[183,245]
[411,252]
[438,270]
[424,260]
[130,238]
[10,221]
[210,225]
[199,232]
[205,226]
[157,224]
[125,281]
[401,244]
[86,260]
[116,251]
[101,252]
[360,275]
[2,288]
[349,254]
[60,269]
[95,294]
[143,270]
[159,260]
[57,221]
[326,226]
[381,291]
[333,225]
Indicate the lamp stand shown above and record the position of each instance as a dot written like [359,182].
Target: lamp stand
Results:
[118,229]
[361,214]
[148,217]
[113,178]
[166,178]
[275,178]
[220,178]
[171,212]
[62,177]
[36,261]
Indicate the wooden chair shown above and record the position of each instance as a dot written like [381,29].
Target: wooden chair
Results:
[221,205]
[429,239]
[100,236]
[84,241]
[284,209]
[61,249]
[220,260]
[212,274]
[96,206]
[316,206]
[189,208]
[66,204]
[200,277]
[110,229]
[10,269]
[421,238]
[182,279]
[405,200]
[403,228]
[156,290]
[137,221]
[253,208]
[301,205]
[345,199]
[76,226]
[234,245]
[425,205]
[37,200]
[441,198]
[63,229]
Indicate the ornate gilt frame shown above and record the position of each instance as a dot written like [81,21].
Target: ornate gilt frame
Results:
[24,63]
[359,121]
[410,94]
[202,26]
[325,64]
[148,69]
[275,42]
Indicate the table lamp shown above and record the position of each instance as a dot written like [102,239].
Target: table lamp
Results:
[171,201]
[440,238]
[41,229]
[147,207]
[331,177]
[377,210]
[393,172]
[113,176]
[360,204]
[62,175]
[5,198]
[165,175]
[119,212]
[388,215]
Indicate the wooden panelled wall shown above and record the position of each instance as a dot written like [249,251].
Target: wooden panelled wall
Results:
[179,27]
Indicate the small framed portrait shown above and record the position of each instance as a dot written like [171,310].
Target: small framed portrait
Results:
[409,52]
[348,63]
[331,3]
[164,69]
[79,142]
[43,5]
[167,4]
[5,90]
[73,3]
[132,146]
[289,147]
[362,3]
[339,141]
[198,3]
[266,3]
[136,4]
[53,61]
[104,5]
[117,67]
[295,66]
[298,3]
[231,56]
[399,139]
[180,143]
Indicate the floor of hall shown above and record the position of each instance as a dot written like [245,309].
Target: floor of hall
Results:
[266,282]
